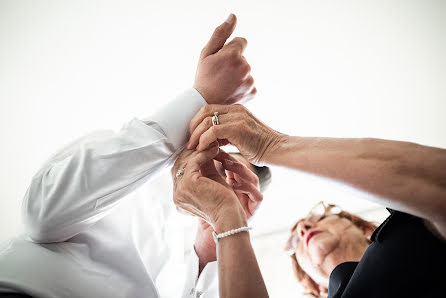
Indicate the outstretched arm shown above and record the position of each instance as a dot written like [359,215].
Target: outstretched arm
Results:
[404,176]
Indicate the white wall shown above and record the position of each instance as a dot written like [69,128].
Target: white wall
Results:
[328,68]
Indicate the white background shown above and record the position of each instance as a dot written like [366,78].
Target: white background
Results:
[322,68]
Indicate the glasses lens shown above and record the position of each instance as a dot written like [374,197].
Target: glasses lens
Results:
[318,210]
[335,209]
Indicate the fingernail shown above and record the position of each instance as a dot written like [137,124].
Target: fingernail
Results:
[230,19]
[236,185]
[229,162]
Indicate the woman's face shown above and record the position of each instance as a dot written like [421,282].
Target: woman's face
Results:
[326,243]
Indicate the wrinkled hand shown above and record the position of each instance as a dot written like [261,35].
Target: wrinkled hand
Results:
[245,184]
[223,74]
[202,191]
[238,127]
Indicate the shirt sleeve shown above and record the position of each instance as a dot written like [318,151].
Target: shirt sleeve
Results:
[203,286]
[82,182]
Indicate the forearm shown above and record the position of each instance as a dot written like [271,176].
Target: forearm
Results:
[238,270]
[405,176]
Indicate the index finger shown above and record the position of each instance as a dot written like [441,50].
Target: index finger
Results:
[199,159]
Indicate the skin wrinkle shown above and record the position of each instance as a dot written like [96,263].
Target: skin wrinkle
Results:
[350,243]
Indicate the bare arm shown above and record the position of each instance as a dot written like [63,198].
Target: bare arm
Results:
[404,176]
[204,193]
[238,271]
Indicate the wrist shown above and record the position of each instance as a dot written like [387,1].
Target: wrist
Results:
[276,143]
[202,93]
[230,218]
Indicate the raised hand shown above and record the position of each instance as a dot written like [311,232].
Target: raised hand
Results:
[223,74]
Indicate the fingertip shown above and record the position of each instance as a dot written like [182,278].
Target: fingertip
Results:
[231,19]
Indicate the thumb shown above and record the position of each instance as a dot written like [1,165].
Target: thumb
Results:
[219,37]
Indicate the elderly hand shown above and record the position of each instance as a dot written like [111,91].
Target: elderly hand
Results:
[245,184]
[238,127]
[201,190]
[243,181]
[223,74]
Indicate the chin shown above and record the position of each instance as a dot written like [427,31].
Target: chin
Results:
[319,248]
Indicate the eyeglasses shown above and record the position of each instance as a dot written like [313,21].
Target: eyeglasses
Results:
[317,213]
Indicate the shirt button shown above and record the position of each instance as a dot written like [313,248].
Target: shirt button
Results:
[198,294]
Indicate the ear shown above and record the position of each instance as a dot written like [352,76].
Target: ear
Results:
[368,229]
[323,291]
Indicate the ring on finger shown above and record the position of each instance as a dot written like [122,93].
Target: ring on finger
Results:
[180,172]
[215,120]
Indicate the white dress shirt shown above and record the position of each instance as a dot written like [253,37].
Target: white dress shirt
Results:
[95,232]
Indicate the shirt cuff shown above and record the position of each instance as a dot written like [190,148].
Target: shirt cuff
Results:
[206,285]
[175,116]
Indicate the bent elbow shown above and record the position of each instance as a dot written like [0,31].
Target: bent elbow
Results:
[37,222]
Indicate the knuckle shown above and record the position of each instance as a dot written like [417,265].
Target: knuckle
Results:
[240,40]
[208,121]
[244,69]
[204,109]
[219,31]
[247,68]
[233,55]
[251,122]
[250,81]
[239,108]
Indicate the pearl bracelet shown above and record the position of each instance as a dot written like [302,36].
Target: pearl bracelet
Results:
[229,233]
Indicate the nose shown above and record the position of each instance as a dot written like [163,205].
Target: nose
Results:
[303,227]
